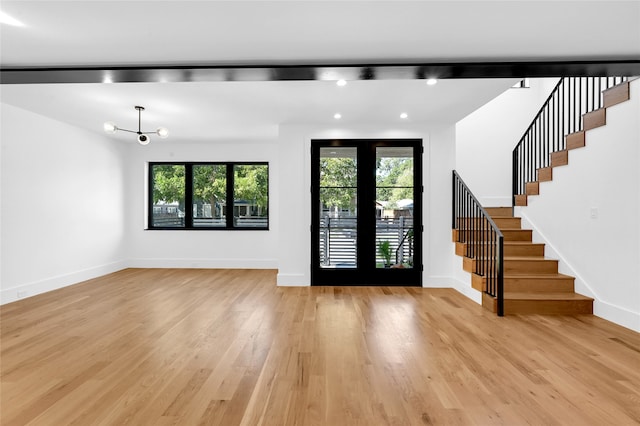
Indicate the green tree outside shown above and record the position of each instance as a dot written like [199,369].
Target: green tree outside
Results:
[338,181]
[251,183]
[394,179]
[168,184]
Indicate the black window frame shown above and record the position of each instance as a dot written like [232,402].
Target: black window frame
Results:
[188,196]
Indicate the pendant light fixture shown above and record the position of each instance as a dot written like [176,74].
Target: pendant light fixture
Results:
[143,139]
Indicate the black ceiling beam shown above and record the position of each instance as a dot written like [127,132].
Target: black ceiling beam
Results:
[410,71]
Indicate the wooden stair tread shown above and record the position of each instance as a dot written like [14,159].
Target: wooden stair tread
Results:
[527,258]
[559,158]
[594,119]
[545,174]
[616,94]
[532,282]
[531,258]
[514,243]
[535,259]
[538,276]
[546,296]
[506,243]
[499,211]
[521,200]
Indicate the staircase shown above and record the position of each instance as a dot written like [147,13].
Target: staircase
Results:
[505,265]
[532,284]
[577,139]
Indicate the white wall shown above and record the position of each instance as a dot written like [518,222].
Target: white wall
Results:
[603,252]
[62,204]
[199,248]
[295,180]
[486,137]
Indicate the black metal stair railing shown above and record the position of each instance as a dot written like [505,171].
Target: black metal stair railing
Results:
[560,116]
[483,240]
[407,238]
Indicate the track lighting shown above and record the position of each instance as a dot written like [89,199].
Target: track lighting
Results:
[143,138]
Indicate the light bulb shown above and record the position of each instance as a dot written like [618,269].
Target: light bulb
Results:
[432,81]
[109,127]
[337,116]
[143,139]
[341,82]
[163,132]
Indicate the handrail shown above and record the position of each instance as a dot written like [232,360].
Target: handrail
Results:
[560,115]
[484,241]
[404,237]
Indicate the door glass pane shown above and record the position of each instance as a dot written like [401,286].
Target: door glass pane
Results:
[209,195]
[338,207]
[394,207]
[168,196]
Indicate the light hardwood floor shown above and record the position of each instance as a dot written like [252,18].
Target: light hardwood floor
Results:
[228,347]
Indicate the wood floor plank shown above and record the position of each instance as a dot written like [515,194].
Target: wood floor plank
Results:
[229,347]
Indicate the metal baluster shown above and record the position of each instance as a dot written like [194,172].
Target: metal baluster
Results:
[500,283]
[522,167]
[599,91]
[546,134]
[466,228]
[531,148]
[575,104]
[556,127]
[596,93]
[482,243]
[564,112]
[580,107]
[493,256]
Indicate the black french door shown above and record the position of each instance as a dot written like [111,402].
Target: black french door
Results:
[366,212]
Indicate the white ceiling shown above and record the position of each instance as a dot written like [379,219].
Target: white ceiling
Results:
[83,33]
[150,32]
[241,110]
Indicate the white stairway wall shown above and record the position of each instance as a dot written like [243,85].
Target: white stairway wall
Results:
[63,215]
[589,215]
[486,137]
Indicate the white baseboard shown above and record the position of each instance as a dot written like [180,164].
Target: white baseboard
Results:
[617,315]
[31,289]
[437,282]
[204,263]
[293,280]
[601,308]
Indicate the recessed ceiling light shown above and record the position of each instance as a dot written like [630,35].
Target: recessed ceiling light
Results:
[404,115]
[9,20]
[337,116]
[341,82]
[432,81]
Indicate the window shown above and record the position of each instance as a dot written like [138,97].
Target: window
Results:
[208,196]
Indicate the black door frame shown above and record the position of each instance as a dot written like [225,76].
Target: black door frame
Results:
[366,272]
